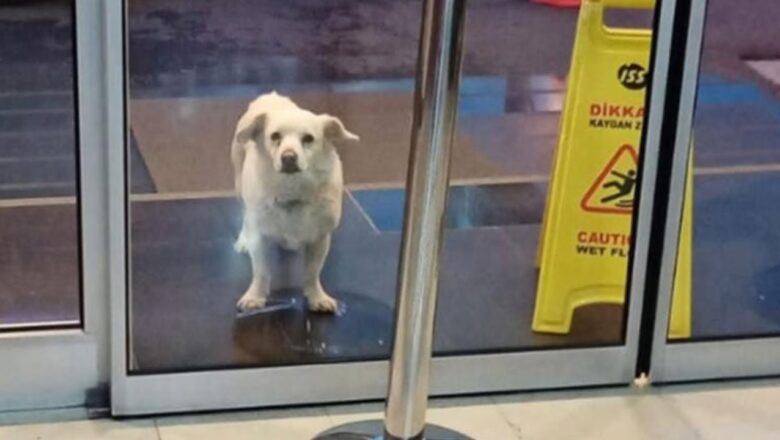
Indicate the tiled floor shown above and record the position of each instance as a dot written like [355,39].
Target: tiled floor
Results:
[721,411]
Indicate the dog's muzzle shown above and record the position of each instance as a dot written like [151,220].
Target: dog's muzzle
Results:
[290,162]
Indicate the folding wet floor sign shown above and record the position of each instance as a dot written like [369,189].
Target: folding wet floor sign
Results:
[584,246]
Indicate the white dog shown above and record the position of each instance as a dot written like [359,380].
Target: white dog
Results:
[288,175]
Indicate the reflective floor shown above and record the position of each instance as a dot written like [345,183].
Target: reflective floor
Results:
[189,307]
[724,411]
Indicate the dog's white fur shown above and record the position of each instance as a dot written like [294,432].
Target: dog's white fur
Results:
[298,211]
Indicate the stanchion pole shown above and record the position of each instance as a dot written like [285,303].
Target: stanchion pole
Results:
[436,104]
[435,115]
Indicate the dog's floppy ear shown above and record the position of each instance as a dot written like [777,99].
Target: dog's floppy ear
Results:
[334,130]
[248,126]
[250,123]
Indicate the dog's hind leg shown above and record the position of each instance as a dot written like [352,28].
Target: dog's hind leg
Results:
[315,255]
[242,242]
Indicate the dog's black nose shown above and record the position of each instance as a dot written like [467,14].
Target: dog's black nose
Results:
[290,162]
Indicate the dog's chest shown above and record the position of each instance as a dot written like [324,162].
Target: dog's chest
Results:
[295,222]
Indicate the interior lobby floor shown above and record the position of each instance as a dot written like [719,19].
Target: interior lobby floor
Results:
[712,411]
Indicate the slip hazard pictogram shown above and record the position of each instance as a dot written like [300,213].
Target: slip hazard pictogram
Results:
[613,190]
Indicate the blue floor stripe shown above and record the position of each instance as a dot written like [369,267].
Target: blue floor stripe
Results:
[384,207]
[478,94]
[736,94]
[730,94]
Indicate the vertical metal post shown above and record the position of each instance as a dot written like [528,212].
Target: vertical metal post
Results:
[436,102]
[435,112]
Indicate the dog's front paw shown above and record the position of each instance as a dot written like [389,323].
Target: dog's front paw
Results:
[250,301]
[322,302]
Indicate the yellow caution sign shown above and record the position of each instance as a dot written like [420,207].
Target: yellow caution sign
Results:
[586,231]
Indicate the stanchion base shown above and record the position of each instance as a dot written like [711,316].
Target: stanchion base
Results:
[375,430]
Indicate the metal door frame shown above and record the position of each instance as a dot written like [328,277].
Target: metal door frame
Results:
[51,368]
[716,359]
[252,387]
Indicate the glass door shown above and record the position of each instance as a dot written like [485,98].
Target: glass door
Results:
[215,299]
[729,115]
[52,228]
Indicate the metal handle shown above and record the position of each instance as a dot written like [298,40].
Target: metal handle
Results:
[435,110]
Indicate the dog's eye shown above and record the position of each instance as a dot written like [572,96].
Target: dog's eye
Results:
[275,136]
[307,139]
